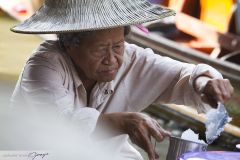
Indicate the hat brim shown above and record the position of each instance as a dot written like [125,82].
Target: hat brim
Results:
[49,20]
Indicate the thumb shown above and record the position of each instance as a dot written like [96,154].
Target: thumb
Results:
[209,100]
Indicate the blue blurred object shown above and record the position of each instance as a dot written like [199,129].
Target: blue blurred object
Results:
[211,155]
[216,120]
[179,146]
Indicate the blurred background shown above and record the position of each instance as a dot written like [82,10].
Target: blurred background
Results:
[14,48]
[203,31]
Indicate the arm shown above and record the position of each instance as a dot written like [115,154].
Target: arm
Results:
[138,126]
[41,87]
[159,79]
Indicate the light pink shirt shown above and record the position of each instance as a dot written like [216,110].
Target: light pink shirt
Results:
[50,78]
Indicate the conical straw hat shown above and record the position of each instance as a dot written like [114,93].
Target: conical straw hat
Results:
[62,16]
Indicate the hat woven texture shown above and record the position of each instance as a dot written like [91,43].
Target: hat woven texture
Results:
[62,16]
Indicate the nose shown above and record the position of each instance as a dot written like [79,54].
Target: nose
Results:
[110,58]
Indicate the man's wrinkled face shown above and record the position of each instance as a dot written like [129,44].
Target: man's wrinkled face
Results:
[100,55]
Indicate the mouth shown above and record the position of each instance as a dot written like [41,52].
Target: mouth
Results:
[109,71]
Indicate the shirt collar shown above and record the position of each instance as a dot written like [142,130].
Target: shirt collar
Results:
[76,79]
[106,87]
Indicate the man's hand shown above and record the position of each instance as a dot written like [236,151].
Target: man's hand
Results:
[139,127]
[214,90]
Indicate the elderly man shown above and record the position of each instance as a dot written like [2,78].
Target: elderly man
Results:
[92,75]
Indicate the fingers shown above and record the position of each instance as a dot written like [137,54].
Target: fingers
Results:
[142,138]
[225,90]
[165,132]
[157,131]
[229,89]
[217,90]
[148,147]
[209,100]
[213,92]
[225,93]
[141,130]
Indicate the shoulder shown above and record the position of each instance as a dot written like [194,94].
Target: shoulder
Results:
[48,55]
[138,55]
[47,60]
[48,51]
[134,50]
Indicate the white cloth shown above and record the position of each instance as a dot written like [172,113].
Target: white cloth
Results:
[50,79]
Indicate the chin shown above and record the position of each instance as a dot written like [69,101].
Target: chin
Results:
[107,79]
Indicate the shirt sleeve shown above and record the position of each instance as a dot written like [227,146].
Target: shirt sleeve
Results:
[41,88]
[159,79]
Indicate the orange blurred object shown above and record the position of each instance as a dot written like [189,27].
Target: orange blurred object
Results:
[217,13]
[207,23]
[20,9]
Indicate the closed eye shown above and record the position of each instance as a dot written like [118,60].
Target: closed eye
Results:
[117,46]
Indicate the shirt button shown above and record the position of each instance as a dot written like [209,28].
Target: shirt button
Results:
[108,91]
[105,91]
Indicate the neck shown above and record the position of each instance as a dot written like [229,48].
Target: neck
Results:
[87,83]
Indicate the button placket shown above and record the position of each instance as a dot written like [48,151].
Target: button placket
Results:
[83,94]
[98,96]
[106,94]
[103,93]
